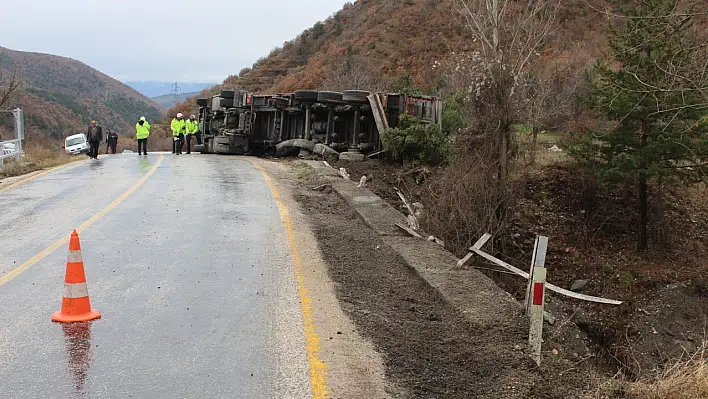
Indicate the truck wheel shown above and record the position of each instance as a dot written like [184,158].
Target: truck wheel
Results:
[327,96]
[307,95]
[227,94]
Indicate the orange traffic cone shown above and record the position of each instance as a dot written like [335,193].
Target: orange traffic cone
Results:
[75,306]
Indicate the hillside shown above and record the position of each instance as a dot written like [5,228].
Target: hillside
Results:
[61,96]
[397,41]
[170,100]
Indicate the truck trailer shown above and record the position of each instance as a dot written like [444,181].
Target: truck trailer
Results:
[241,122]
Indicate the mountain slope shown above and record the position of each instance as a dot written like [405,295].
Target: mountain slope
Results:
[395,40]
[60,96]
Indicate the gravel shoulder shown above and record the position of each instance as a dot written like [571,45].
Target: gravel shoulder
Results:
[428,347]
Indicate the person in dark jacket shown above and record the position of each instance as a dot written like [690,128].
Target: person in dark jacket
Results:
[111,141]
[95,136]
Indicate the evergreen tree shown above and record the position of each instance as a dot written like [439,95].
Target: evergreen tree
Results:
[654,89]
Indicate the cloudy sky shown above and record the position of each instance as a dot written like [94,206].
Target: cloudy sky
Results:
[167,40]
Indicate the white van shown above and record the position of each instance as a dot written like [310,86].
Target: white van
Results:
[76,144]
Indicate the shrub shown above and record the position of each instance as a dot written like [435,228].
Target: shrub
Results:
[414,141]
[453,114]
[318,30]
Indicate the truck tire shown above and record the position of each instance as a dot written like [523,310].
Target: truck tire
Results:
[356,96]
[202,102]
[208,146]
[226,102]
[327,96]
[288,146]
[307,95]
[227,94]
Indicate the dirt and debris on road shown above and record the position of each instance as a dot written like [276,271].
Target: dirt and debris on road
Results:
[429,349]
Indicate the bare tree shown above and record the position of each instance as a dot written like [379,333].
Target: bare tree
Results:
[351,73]
[509,36]
[553,93]
[8,89]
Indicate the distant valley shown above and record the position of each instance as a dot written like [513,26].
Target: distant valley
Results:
[170,100]
[153,89]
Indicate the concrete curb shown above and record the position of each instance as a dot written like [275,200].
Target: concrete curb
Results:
[483,303]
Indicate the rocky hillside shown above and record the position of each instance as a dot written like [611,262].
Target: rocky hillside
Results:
[398,41]
[61,96]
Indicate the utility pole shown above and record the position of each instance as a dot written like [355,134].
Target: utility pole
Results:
[175,91]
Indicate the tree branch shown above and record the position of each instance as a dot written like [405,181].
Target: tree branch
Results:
[7,91]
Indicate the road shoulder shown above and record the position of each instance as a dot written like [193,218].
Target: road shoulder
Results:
[353,367]
[13,181]
[441,331]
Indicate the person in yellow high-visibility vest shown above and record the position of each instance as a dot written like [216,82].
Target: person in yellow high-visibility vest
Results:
[142,132]
[179,127]
[192,128]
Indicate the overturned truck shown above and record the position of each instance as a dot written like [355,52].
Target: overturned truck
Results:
[240,122]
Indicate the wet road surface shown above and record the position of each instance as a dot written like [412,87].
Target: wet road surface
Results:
[191,270]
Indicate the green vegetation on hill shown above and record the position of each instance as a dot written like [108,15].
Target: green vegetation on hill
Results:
[62,99]
[61,96]
[131,109]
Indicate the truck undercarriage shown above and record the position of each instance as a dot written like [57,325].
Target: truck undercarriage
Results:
[239,122]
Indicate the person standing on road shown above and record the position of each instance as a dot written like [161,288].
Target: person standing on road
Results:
[192,128]
[95,136]
[142,132]
[111,141]
[178,127]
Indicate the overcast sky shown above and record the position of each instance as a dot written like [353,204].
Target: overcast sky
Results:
[167,40]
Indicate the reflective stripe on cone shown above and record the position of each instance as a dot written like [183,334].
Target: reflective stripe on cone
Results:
[78,290]
[74,257]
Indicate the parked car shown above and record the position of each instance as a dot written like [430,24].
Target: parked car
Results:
[76,144]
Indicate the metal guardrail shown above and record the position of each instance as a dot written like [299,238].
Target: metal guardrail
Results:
[14,151]
[13,148]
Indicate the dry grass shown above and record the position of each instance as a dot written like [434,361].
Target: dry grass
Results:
[36,158]
[685,378]
[542,156]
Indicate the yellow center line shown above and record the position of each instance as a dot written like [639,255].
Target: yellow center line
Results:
[23,181]
[318,369]
[63,241]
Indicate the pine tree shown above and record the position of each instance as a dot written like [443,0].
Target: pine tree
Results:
[655,90]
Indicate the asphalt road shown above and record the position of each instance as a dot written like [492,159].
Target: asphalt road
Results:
[191,271]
